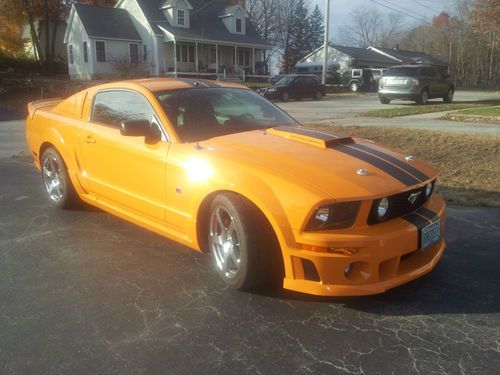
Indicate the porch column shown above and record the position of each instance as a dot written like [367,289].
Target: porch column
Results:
[253,61]
[236,59]
[196,56]
[217,58]
[175,59]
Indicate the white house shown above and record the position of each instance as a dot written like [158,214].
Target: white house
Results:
[167,37]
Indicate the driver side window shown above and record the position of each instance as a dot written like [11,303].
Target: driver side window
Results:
[112,107]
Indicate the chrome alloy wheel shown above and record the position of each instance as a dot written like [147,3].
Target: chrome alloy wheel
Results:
[224,242]
[53,178]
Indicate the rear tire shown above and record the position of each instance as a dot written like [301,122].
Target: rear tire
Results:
[424,97]
[58,186]
[448,98]
[242,248]
[384,100]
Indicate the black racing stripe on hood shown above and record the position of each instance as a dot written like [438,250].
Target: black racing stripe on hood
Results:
[388,168]
[401,164]
[431,215]
[419,222]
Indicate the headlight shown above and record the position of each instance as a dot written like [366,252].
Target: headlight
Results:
[382,208]
[334,216]
[271,90]
[428,189]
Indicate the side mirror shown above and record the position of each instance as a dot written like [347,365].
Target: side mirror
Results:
[135,128]
[141,128]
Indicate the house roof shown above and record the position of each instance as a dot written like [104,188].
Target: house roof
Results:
[362,54]
[411,57]
[205,23]
[107,23]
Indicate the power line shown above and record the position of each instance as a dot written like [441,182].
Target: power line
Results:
[402,12]
[427,7]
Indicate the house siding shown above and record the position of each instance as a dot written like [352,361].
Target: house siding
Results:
[76,36]
[115,51]
[146,33]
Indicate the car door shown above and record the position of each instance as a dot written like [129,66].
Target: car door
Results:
[299,87]
[127,172]
[433,79]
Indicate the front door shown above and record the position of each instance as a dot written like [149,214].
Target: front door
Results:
[125,171]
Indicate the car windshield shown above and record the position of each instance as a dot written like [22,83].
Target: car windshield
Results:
[202,113]
[285,81]
[401,71]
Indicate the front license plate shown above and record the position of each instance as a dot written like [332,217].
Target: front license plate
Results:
[430,234]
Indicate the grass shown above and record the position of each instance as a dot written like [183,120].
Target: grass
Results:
[468,164]
[489,111]
[414,109]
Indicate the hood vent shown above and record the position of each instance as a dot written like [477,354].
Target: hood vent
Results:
[316,138]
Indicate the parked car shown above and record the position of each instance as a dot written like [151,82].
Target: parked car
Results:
[417,83]
[352,79]
[295,86]
[220,169]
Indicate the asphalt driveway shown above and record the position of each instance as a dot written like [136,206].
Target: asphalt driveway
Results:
[85,292]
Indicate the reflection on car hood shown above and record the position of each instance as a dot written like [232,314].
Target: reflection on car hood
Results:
[342,170]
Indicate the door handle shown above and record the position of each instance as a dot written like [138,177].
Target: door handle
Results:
[89,139]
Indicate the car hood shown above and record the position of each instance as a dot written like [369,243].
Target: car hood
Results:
[339,167]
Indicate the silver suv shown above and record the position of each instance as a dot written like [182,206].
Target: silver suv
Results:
[418,83]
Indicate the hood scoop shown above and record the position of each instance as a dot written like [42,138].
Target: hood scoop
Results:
[312,137]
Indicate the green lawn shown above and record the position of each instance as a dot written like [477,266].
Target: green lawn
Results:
[414,109]
[489,111]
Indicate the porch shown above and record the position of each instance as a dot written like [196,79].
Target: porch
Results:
[212,59]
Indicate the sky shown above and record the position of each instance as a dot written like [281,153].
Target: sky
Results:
[340,9]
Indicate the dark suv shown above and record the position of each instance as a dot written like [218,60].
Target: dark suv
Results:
[418,83]
[295,86]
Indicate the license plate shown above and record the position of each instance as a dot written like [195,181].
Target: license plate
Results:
[398,81]
[430,234]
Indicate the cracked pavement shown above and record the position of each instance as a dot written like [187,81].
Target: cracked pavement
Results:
[85,292]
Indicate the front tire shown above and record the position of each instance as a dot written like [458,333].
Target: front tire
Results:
[384,100]
[240,248]
[285,96]
[58,186]
[424,97]
[353,87]
[448,98]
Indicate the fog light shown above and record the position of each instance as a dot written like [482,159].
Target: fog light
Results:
[383,207]
[428,190]
[322,214]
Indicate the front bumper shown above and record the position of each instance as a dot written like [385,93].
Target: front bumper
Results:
[382,256]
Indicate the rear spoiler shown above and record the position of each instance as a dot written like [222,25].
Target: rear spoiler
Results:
[36,105]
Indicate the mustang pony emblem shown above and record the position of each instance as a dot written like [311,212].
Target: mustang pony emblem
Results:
[413,197]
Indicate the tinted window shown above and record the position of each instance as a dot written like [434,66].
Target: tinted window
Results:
[113,107]
[401,71]
[300,81]
[428,72]
[311,81]
[100,51]
[203,113]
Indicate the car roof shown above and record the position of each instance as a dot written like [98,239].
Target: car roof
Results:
[166,84]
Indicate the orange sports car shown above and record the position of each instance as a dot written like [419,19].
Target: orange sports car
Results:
[220,169]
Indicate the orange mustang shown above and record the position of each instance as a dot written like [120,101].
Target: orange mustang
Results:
[219,168]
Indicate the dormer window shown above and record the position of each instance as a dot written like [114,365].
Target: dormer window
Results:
[180,17]
[234,18]
[177,12]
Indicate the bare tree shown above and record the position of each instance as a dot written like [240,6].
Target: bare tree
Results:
[369,27]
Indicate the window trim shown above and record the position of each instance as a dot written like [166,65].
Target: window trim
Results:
[97,52]
[236,25]
[165,136]
[71,56]
[183,17]
[85,52]
[144,52]
[130,53]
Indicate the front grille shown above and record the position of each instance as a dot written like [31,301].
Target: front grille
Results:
[399,205]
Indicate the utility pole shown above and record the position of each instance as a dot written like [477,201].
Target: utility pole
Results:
[325,46]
